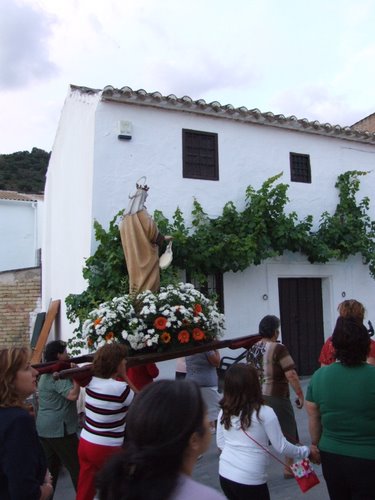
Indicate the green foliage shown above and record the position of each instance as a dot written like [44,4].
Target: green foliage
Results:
[236,240]
[349,230]
[23,171]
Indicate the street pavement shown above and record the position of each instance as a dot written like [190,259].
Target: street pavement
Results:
[206,471]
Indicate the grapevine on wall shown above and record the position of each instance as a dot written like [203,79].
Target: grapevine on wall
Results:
[236,239]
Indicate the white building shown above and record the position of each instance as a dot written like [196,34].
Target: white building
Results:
[109,138]
[20,226]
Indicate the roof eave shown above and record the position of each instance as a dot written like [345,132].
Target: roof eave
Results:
[171,102]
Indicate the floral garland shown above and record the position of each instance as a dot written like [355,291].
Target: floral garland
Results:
[174,317]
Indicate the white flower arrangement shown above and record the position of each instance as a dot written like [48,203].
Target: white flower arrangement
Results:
[176,316]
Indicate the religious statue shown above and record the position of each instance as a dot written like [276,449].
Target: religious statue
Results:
[141,240]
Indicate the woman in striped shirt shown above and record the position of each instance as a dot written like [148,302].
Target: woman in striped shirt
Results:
[108,396]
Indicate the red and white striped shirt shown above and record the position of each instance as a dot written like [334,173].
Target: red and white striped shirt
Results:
[107,402]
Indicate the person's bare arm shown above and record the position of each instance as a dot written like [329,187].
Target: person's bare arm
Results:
[214,358]
[73,394]
[293,380]
[315,424]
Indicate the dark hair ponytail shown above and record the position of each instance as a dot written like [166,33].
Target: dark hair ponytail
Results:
[159,425]
[351,341]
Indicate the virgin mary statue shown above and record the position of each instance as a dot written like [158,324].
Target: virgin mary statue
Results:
[141,239]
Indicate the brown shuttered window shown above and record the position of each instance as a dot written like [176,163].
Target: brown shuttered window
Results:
[300,170]
[200,157]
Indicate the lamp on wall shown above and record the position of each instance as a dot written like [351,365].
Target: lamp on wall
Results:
[125,130]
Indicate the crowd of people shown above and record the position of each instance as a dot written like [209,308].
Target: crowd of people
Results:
[142,438]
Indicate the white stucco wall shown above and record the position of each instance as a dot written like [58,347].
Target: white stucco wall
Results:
[92,172]
[19,230]
[68,198]
[248,155]
[244,291]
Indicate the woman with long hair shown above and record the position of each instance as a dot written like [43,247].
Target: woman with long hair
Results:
[23,468]
[108,396]
[166,430]
[347,309]
[340,402]
[245,427]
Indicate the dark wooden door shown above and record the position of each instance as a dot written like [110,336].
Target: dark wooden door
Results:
[301,315]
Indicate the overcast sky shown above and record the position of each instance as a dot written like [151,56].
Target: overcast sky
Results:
[313,59]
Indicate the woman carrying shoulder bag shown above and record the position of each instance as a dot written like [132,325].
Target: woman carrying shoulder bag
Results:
[245,427]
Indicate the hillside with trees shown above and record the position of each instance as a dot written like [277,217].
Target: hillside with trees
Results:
[24,171]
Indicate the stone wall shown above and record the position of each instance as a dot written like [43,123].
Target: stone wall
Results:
[20,292]
[367,123]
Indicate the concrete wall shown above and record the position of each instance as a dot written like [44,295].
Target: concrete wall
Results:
[19,302]
[367,123]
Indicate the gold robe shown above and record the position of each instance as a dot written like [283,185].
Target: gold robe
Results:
[139,237]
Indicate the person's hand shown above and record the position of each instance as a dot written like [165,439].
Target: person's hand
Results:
[48,477]
[314,454]
[46,489]
[168,238]
[299,402]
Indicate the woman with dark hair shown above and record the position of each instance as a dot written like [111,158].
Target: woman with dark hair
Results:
[108,396]
[245,426]
[23,468]
[340,402]
[347,309]
[166,430]
[57,419]
[276,370]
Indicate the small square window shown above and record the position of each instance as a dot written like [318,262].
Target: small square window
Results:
[300,170]
[200,157]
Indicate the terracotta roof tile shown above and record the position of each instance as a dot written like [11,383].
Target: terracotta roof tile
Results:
[186,103]
[14,196]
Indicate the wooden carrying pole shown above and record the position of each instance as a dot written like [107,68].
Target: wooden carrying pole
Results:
[154,357]
[50,318]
